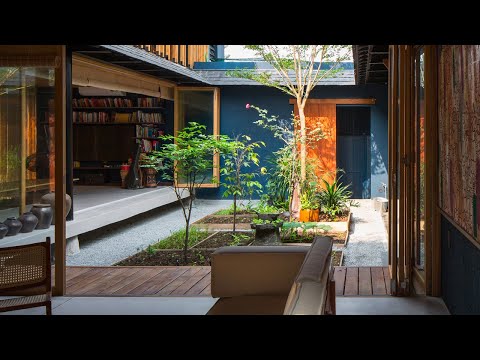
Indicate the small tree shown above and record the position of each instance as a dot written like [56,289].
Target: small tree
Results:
[239,184]
[300,70]
[190,156]
[287,162]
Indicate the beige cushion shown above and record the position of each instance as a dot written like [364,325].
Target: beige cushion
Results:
[308,293]
[255,270]
[249,305]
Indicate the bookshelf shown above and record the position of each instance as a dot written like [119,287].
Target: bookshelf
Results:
[107,131]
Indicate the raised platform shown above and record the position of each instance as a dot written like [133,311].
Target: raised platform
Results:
[98,206]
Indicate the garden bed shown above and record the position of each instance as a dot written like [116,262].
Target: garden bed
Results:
[337,257]
[225,238]
[339,239]
[168,257]
[198,254]
[226,219]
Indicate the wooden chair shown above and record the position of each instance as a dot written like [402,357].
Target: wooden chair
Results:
[25,271]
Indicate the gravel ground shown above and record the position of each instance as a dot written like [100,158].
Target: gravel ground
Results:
[106,246]
[367,244]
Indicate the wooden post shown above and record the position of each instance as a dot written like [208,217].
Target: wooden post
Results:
[23,145]
[60,174]
[432,216]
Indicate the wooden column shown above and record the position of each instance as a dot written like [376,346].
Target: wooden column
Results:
[60,286]
[432,215]
[23,144]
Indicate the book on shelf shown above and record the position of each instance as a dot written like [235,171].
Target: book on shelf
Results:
[149,145]
[148,131]
[91,117]
[116,102]
[115,117]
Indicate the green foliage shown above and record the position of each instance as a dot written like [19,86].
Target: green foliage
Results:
[239,157]
[152,161]
[277,222]
[299,70]
[190,155]
[238,176]
[305,225]
[245,209]
[239,239]
[289,231]
[335,197]
[263,207]
[176,239]
[309,195]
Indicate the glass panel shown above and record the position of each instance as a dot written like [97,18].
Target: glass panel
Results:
[197,106]
[419,176]
[26,137]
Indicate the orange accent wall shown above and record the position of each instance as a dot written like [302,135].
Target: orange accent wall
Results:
[322,153]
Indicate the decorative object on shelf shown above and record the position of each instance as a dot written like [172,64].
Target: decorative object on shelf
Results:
[50,199]
[29,221]
[3,230]
[150,177]
[44,214]
[132,180]
[124,168]
[14,226]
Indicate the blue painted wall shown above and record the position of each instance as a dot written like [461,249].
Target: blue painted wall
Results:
[460,271]
[236,119]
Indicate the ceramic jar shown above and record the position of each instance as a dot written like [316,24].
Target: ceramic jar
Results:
[44,214]
[29,221]
[50,199]
[14,226]
[3,230]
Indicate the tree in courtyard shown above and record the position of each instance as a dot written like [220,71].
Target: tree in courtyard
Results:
[299,70]
[187,160]
[239,177]
[285,176]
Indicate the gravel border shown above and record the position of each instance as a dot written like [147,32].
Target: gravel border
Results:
[110,244]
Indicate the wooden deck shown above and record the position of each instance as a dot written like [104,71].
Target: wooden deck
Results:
[195,281]
[138,281]
[362,281]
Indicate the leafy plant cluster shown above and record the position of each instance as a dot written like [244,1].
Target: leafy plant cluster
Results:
[277,222]
[290,230]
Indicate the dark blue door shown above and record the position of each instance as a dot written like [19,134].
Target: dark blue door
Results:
[353,148]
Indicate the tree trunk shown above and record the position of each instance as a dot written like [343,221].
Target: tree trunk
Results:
[303,140]
[234,212]
[185,246]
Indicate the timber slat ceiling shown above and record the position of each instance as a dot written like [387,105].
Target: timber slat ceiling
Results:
[369,64]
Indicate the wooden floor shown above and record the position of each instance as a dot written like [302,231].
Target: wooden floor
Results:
[195,281]
[362,281]
[138,281]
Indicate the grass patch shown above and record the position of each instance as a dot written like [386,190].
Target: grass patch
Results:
[241,210]
[176,240]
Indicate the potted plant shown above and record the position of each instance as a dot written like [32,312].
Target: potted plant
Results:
[266,211]
[267,232]
[309,202]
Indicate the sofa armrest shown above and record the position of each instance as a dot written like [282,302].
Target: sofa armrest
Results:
[255,270]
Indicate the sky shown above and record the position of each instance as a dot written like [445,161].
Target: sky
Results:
[238,52]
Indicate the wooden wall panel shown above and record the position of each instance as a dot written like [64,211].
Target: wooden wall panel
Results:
[322,153]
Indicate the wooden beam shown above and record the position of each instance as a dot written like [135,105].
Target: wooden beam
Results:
[385,62]
[60,175]
[368,101]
